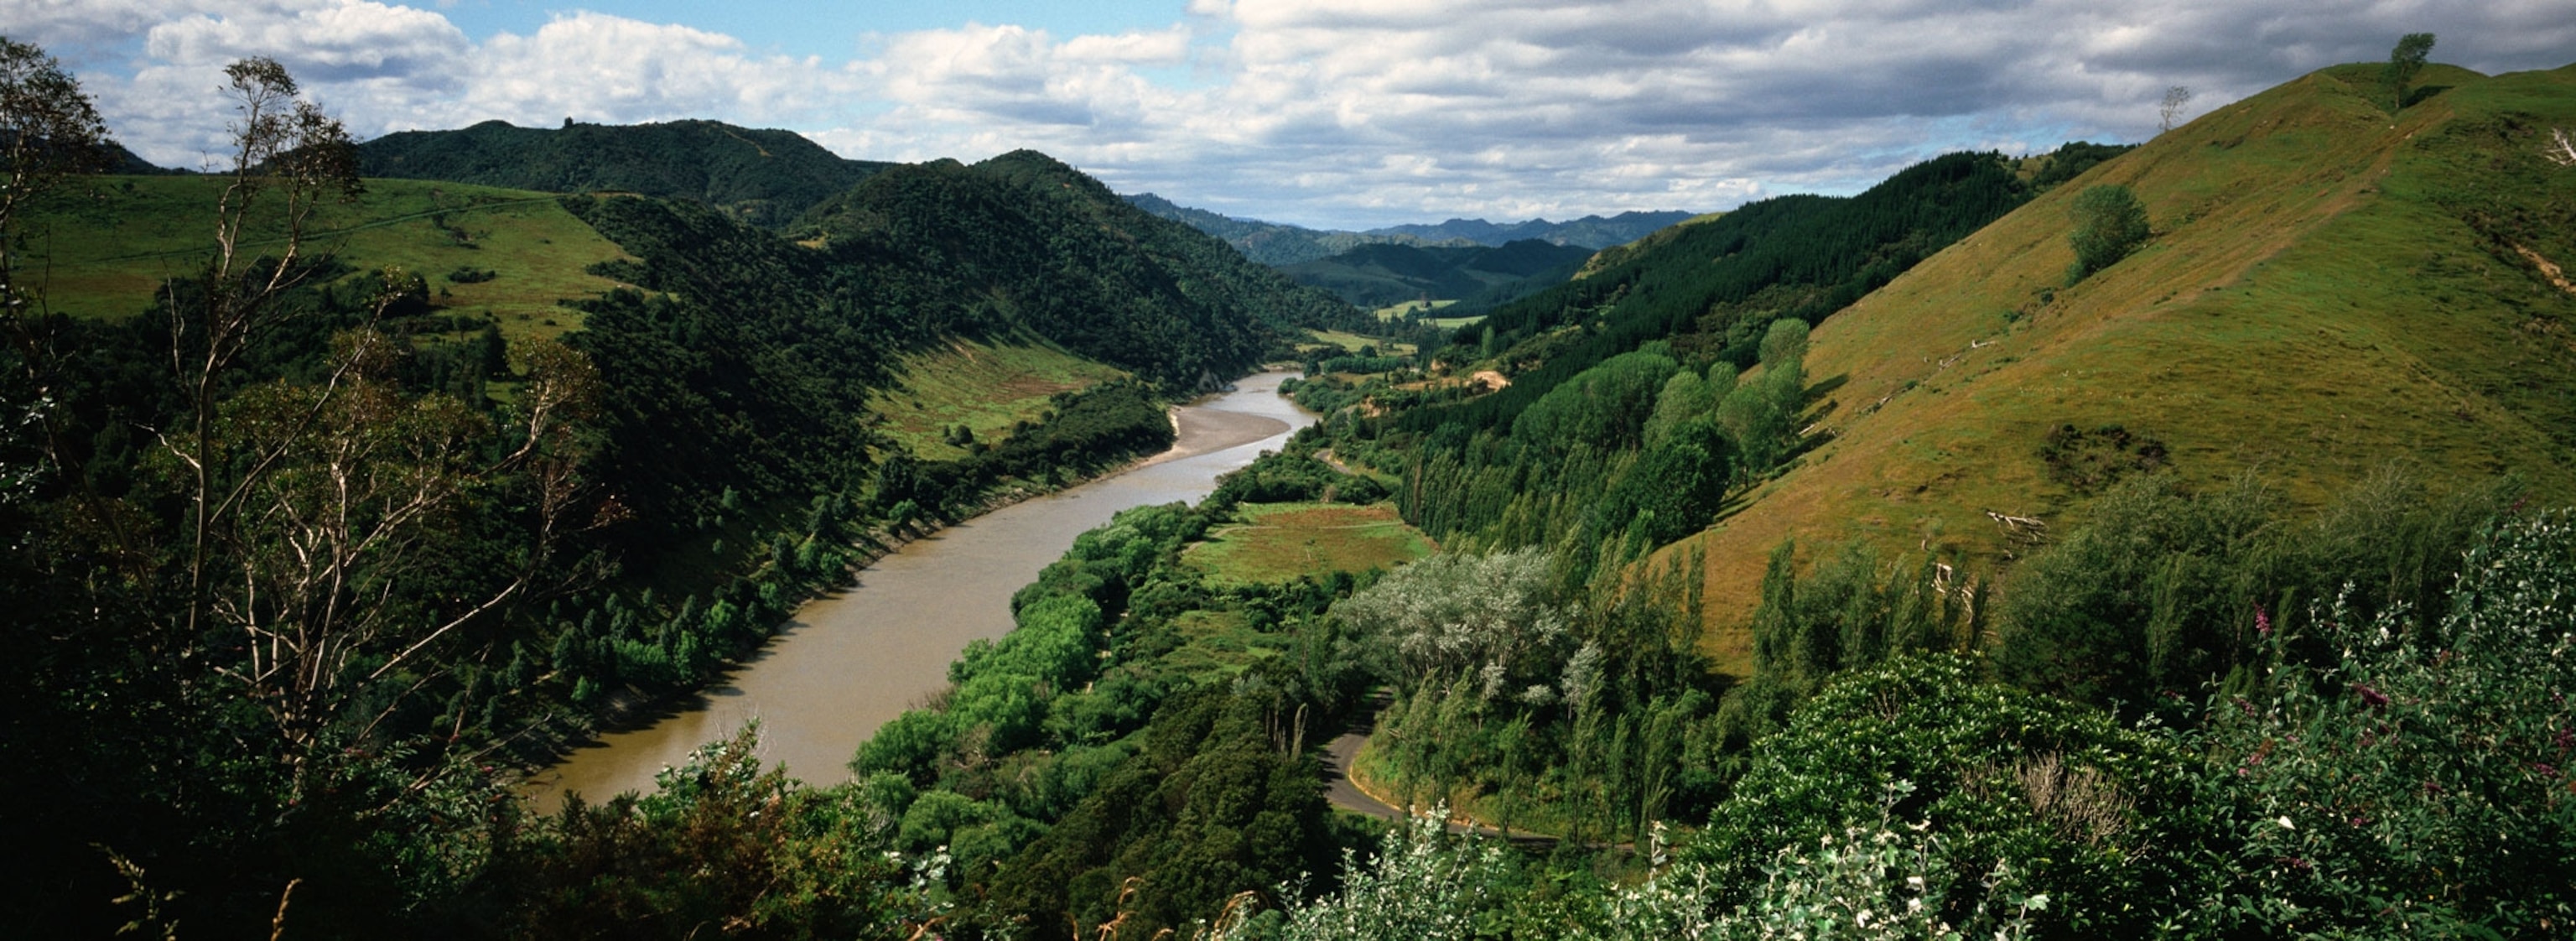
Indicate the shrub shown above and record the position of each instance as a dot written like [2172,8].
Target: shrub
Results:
[2109,224]
[2419,787]
[2055,793]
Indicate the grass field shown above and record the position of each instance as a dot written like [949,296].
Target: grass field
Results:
[1346,342]
[1218,644]
[983,386]
[102,250]
[1445,323]
[2315,306]
[1276,542]
[1407,307]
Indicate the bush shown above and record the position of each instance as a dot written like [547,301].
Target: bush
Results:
[2056,793]
[2109,224]
[2418,788]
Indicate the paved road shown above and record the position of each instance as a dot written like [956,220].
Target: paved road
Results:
[1339,790]
[1343,794]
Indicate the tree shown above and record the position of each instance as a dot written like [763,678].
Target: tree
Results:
[48,130]
[1762,415]
[2109,224]
[2403,63]
[2175,98]
[316,510]
[284,144]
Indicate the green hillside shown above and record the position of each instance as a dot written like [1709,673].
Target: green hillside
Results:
[763,177]
[1382,275]
[2216,587]
[105,249]
[2328,292]
[1024,239]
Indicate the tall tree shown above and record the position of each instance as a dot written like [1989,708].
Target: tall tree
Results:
[2403,63]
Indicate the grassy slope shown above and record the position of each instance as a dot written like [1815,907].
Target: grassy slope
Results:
[108,252]
[983,386]
[1277,542]
[2314,307]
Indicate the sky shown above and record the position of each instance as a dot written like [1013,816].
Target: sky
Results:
[1326,113]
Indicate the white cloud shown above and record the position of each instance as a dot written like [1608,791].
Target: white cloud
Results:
[1347,112]
[611,69]
[324,43]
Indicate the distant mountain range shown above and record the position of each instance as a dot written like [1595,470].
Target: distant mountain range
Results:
[1586,232]
[1280,244]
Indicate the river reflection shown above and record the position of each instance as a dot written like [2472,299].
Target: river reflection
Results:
[852,660]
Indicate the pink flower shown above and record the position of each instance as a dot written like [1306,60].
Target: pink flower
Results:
[2262,621]
[2374,697]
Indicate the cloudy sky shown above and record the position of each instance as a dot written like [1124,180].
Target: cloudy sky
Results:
[1333,113]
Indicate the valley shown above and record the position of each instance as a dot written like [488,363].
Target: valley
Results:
[678,529]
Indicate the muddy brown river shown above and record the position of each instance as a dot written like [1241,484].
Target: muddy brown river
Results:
[852,660]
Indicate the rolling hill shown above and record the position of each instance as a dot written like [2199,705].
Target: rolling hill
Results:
[513,255]
[2329,291]
[764,177]
[1379,275]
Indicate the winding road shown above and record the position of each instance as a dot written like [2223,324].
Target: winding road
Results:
[1345,794]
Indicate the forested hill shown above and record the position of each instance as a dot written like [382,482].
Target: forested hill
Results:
[1024,239]
[1714,288]
[1378,275]
[764,177]
[1270,243]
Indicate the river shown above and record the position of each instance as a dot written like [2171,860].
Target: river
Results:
[853,659]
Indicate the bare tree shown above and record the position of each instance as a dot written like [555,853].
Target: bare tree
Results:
[2561,148]
[364,483]
[317,508]
[2175,98]
[288,147]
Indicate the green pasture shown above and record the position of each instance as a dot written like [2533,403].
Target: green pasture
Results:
[984,386]
[103,246]
[1276,542]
